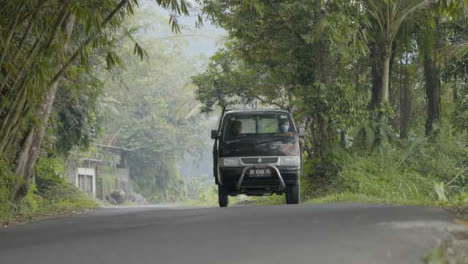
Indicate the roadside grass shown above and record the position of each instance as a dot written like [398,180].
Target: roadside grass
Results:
[48,195]
[427,171]
[357,198]
[458,206]
[435,256]
[366,199]
[452,250]
[62,200]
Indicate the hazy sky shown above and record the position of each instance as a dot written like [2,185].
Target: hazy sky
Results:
[204,40]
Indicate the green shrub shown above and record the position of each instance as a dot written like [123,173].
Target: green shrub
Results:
[47,174]
[382,174]
[7,179]
[319,175]
[423,168]
[62,198]
[48,193]
[30,205]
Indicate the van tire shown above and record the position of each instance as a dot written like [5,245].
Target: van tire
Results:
[223,196]
[293,194]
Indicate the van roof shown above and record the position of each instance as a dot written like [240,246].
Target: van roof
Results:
[256,111]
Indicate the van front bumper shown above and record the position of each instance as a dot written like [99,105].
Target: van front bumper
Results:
[232,178]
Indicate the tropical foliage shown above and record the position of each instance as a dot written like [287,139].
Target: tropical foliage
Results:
[48,52]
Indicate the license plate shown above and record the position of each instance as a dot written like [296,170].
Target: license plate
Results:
[259,172]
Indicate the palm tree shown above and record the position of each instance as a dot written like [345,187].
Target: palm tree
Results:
[388,16]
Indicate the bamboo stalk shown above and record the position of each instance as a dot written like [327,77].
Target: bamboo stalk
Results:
[23,38]
[8,41]
[14,115]
[65,67]
[34,12]
[32,55]
[62,15]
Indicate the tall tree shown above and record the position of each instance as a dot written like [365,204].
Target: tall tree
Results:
[431,43]
[387,17]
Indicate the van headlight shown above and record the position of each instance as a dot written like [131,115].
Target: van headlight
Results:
[229,162]
[290,161]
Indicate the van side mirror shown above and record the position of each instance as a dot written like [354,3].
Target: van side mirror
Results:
[214,134]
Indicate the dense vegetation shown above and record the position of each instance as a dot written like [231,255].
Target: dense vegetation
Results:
[50,54]
[381,87]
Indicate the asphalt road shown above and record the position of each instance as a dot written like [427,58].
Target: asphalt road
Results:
[326,233]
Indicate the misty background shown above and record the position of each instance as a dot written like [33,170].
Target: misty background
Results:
[149,105]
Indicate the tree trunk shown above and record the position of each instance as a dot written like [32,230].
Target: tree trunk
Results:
[432,77]
[30,151]
[393,97]
[383,93]
[376,72]
[343,138]
[405,103]
[390,70]
[431,74]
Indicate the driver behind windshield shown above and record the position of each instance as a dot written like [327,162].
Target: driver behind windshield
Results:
[236,128]
[284,128]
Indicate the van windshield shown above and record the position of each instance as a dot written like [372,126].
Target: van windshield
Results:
[241,125]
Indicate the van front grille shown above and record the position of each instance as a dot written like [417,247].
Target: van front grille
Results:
[265,160]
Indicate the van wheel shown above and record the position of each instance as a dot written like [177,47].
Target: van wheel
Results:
[223,196]
[292,194]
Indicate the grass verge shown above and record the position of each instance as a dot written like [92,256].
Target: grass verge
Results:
[363,198]
[64,199]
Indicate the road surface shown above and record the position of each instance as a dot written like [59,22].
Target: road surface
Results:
[324,233]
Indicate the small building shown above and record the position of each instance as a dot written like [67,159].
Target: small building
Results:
[104,172]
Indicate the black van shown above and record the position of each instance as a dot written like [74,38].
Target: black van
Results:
[256,152]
